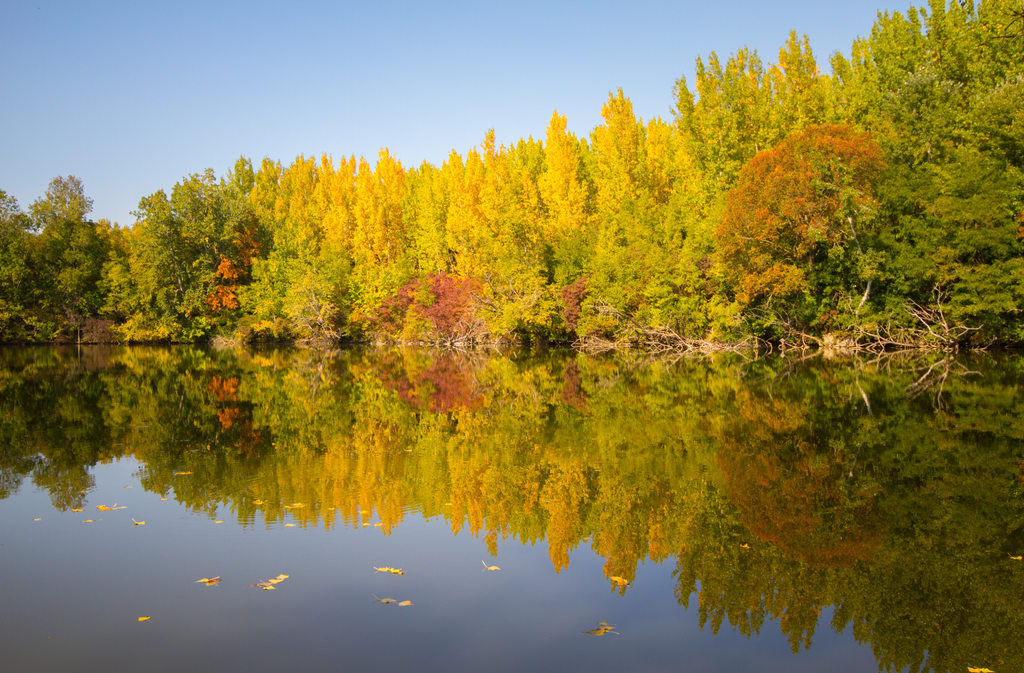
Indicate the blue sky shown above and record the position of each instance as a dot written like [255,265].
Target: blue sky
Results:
[133,96]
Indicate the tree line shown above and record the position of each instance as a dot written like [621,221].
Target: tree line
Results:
[880,203]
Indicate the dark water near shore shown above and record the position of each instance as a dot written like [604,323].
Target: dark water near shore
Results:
[717,514]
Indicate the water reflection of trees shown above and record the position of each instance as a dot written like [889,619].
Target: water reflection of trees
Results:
[777,490]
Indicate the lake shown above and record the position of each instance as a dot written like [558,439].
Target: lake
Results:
[415,510]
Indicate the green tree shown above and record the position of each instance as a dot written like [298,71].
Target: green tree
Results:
[16,273]
[71,252]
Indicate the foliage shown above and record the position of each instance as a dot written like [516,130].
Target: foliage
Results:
[792,230]
[780,201]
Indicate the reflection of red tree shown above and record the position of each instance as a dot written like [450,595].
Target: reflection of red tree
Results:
[572,387]
[443,385]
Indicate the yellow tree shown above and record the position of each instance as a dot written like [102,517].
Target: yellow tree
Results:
[427,213]
[380,243]
[800,93]
[466,223]
[562,188]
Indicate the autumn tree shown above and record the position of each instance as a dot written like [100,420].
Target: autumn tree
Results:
[793,235]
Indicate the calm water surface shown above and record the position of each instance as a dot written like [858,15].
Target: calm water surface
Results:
[715,514]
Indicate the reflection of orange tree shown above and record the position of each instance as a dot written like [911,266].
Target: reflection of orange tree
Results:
[234,416]
[793,482]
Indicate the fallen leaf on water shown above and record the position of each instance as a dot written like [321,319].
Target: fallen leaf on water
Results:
[289,525]
[294,505]
[601,629]
[143,619]
[489,567]
[744,546]
[621,581]
[971,669]
[138,523]
[181,474]
[1017,558]
[129,486]
[38,519]
[388,569]
[267,585]
[384,601]
[219,521]
[87,521]
[162,499]
[78,509]
[209,581]
[257,502]
[405,604]
[104,508]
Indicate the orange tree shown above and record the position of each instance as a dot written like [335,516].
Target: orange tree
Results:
[793,241]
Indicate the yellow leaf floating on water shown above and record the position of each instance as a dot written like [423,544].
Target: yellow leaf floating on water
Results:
[489,567]
[294,505]
[384,601]
[268,585]
[209,581]
[138,523]
[219,521]
[143,619]
[104,508]
[388,569]
[87,521]
[1016,558]
[971,669]
[38,519]
[601,629]
[257,502]
[405,604]
[289,525]
[163,499]
[181,474]
[621,581]
[744,546]
[79,509]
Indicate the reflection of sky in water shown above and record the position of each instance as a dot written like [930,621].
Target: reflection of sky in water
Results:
[72,593]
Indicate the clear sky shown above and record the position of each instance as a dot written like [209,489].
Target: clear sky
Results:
[133,96]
